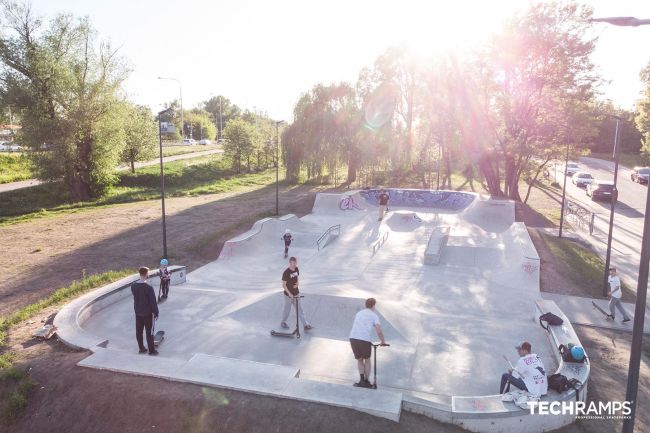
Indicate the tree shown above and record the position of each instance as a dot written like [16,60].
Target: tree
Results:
[222,111]
[198,125]
[239,142]
[643,116]
[535,81]
[66,86]
[141,135]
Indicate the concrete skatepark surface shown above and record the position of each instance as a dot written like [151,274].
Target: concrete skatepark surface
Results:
[447,324]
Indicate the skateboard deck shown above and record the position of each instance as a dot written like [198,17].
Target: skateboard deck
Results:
[597,307]
[158,337]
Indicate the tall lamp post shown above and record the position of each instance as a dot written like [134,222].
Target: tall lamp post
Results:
[277,166]
[162,182]
[642,284]
[180,89]
[608,254]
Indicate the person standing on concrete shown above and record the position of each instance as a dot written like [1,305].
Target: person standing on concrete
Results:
[291,292]
[383,203]
[615,294]
[146,310]
[165,279]
[365,321]
[287,238]
[528,375]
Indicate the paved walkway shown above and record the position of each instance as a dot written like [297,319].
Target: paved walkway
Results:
[12,186]
[581,311]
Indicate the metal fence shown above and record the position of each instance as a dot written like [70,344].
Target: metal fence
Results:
[579,217]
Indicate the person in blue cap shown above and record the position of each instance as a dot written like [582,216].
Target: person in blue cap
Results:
[165,278]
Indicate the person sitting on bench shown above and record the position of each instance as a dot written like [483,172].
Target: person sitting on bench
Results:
[528,375]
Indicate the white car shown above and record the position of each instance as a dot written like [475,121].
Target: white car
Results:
[205,142]
[189,142]
[572,168]
[582,178]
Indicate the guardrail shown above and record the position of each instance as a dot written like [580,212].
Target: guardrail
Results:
[326,236]
[379,243]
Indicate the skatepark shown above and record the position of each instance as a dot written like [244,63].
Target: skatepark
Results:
[457,286]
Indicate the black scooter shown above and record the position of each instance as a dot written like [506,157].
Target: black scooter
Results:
[296,331]
[374,384]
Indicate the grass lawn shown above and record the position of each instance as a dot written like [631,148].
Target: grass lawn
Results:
[584,267]
[204,175]
[629,160]
[15,382]
[14,167]
[179,150]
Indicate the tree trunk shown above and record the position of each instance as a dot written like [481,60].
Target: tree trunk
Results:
[491,175]
[132,166]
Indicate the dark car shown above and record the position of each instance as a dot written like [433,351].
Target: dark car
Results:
[640,174]
[602,190]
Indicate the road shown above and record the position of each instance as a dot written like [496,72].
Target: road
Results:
[628,217]
[12,186]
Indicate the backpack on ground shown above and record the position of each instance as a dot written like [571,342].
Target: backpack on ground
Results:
[550,319]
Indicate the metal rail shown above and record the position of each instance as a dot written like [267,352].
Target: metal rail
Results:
[325,237]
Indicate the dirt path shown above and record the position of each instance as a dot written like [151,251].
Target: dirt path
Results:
[43,255]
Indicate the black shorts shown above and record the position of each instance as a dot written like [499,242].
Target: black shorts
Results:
[360,348]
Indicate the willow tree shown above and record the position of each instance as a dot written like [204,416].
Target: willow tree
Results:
[66,85]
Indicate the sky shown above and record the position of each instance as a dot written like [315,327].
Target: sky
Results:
[263,55]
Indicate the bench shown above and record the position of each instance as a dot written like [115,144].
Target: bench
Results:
[478,407]
[437,241]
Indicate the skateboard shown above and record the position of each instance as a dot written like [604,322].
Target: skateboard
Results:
[597,307]
[158,338]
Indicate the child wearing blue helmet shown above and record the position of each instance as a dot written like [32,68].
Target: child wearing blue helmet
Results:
[165,278]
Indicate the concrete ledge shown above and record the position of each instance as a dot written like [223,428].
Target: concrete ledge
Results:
[437,242]
[258,378]
[72,316]
[380,403]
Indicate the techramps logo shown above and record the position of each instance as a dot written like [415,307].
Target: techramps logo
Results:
[602,410]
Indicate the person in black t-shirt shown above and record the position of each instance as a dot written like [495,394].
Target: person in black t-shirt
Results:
[290,285]
[146,310]
[383,203]
[287,238]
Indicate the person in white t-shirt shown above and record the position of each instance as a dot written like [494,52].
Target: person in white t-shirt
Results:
[365,322]
[615,294]
[528,375]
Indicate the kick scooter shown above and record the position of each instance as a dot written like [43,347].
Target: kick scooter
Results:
[296,331]
[374,384]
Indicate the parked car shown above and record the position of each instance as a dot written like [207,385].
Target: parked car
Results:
[640,174]
[205,142]
[582,178]
[188,142]
[602,190]
[572,168]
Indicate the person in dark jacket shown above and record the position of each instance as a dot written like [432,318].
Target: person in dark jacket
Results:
[146,310]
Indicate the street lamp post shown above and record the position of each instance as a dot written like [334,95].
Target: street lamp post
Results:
[608,254]
[642,284]
[277,166]
[162,182]
[180,88]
